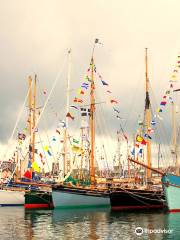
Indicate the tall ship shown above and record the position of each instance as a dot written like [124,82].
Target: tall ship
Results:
[89,193]
[144,195]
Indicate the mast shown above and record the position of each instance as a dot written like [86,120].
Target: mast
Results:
[92,125]
[147,115]
[66,161]
[174,138]
[34,120]
[30,120]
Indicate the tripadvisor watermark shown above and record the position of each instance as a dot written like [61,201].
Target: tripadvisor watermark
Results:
[140,231]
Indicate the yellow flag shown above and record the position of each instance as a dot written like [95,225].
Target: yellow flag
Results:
[139,138]
[46,148]
[36,167]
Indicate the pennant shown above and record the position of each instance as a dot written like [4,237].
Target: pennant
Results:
[171,85]
[85,112]
[133,151]
[109,91]
[159,110]
[113,101]
[168,92]
[176,90]
[72,106]
[44,91]
[116,110]
[41,156]
[78,100]
[49,153]
[53,139]
[153,122]
[29,164]
[139,138]
[163,103]
[104,83]
[46,148]
[58,131]
[80,91]
[140,152]
[21,136]
[140,123]
[27,174]
[75,141]
[62,124]
[69,115]
[35,167]
[125,136]
[143,142]
[147,136]
[137,145]
[150,130]
[164,97]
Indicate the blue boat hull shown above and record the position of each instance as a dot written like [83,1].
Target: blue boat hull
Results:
[171,184]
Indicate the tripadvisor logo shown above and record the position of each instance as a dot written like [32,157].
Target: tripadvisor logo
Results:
[138,231]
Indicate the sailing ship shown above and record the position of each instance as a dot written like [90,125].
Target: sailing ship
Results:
[88,195]
[146,197]
[171,182]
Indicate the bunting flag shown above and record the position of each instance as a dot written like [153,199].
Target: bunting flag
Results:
[147,136]
[41,156]
[35,167]
[139,138]
[137,145]
[104,83]
[159,110]
[143,142]
[58,131]
[85,112]
[21,136]
[27,174]
[163,103]
[113,101]
[150,130]
[49,153]
[153,122]
[76,149]
[116,110]
[140,123]
[133,151]
[80,91]
[46,148]
[72,106]
[54,139]
[109,91]
[29,164]
[75,141]
[176,90]
[85,85]
[62,124]
[140,152]
[78,100]
[69,116]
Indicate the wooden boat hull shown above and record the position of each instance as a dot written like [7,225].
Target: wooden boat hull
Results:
[76,198]
[171,184]
[11,197]
[131,199]
[38,200]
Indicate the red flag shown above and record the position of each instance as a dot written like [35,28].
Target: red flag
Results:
[143,142]
[27,174]
[41,156]
[113,101]
[77,100]
[69,115]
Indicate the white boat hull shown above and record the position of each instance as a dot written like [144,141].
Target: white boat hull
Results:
[67,199]
[11,198]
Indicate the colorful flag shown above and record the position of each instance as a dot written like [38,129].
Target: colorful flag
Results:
[139,138]
[78,100]
[80,91]
[27,174]
[116,110]
[35,167]
[72,106]
[113,101]
[69,115]
[109,91]
[153,122]
[85,112]
[143,142]
[104,83]
[75,141]
[163,103]
[49,153]
[58,131]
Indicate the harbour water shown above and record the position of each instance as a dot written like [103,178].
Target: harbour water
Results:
[18,223]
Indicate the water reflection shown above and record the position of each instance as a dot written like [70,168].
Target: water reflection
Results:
[93,224]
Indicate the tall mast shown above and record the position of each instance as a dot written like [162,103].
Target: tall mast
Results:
[34,120]
[30,119]
[92,125]
[174,138]
[147,115]
[66,161]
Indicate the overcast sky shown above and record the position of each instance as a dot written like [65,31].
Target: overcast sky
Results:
[35,36]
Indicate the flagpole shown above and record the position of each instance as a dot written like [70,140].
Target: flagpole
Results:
[34,121]
[30,121]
